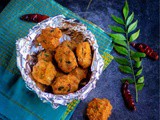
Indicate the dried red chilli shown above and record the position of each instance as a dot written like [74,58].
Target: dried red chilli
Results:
[141,47]
[127,96]
[34,17]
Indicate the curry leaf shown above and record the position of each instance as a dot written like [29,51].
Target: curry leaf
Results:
[125,10]
[130,19]
[118,20]
[121,61]
[132,26]
[125,69]
[134,36]
[138,55]
[120,42]
[137,59]
[138,64]
[121,50]
[130,80]
[140,86]
[116,29]
[118,36]
[139,72]
[140,80]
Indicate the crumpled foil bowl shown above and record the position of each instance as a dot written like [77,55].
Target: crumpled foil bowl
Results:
[25,48]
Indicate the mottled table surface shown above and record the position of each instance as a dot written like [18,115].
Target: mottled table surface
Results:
[147,13]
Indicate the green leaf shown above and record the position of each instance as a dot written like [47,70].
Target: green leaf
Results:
[130,80]
[132,26]
[137,59]
[140,80]
[138,55]
[130,18]
[116,29]
[117,19]
[121,50]
[125,69]
[117,36]
[139,72]
[125,10]
[138,64]
[134,36]
[120,42]
[121,61]
[140,86]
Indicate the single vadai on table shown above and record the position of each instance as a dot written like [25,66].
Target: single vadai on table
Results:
[99,109]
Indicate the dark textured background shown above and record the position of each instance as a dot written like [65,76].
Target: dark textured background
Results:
[147,13]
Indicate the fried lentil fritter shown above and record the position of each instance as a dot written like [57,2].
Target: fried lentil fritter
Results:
[65,84]
[99,109]
[65,58]
[70,43]
[45,55]
[49,38]
[79,73]
[44,72]
[83,52]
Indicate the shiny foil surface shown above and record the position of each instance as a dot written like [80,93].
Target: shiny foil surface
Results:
[26,49]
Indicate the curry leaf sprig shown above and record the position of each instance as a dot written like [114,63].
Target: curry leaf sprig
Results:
[131,61]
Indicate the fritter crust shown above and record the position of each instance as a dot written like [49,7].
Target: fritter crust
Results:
[49,38]
[45,55]
[79,72]
[65,58]
[83,52]
[44,72]
[65,84]
[70,43]
[99,109]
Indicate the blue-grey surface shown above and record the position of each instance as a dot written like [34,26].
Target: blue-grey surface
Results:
[147,13]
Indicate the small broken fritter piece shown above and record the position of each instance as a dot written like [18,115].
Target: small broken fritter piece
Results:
[79,73]
[49,38]
[83,52]
[41,86]
[84,81]
[45,55]
[70,43]
[99,109]
[65,84]
[77,36]
[44,72]
[65,58]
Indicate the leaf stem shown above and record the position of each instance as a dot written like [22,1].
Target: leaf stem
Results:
[130,61]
